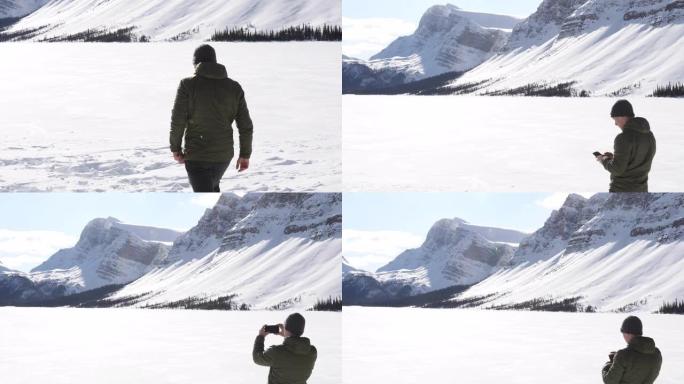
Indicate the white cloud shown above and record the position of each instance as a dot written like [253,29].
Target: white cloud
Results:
[207,200]
[23,250]
[370,250]
[365,37]
[556,200]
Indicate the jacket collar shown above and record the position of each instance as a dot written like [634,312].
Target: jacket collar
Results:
[211,71]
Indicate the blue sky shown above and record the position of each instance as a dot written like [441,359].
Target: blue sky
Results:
[378,226]
[36,225]
[369,26]
[411,10]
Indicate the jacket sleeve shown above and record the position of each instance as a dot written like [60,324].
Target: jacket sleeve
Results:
[179,118]
[244,126]
[259,356]
[613,371]
[618,164]
[656,370]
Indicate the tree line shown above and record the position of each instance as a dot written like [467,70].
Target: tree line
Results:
[669,90]
[295,33]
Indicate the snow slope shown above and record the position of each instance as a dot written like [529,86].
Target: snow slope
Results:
[112,346]
[108,252]
[163,20]
[19,8]
[382,345]
[614,252]
[104,127]
[284,251]
[496,144]
[605,46]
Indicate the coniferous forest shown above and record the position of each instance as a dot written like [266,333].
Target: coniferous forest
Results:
[669,90]
[294,33]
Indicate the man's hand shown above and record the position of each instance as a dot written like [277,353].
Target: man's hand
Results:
[611,356]
[282,330]
[606,156]
[178,156]
[262,331]
[242,164]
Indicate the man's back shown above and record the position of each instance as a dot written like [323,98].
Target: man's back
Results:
[291,362]
[635,149]
[639,363]
[205,108]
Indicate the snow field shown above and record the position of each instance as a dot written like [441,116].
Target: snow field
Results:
[406,345]
[79,346]
[496,144]
[95,117]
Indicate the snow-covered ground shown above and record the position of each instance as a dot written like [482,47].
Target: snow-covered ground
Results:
[383,345]
[84,346]
[95,117]
[496,144]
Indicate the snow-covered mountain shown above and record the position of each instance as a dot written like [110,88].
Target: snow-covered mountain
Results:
[606,47]
[618,252]
[107,252]
[454,253]
[275,250]
[162,20]
[447,39]
[19,8]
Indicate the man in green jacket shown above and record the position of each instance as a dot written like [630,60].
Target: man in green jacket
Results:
[292,361]
[633,154]
[639,363]
[203,113]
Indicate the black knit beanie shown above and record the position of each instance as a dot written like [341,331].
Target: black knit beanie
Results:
[205,53]
[633,326]
[622,108]
[295,324]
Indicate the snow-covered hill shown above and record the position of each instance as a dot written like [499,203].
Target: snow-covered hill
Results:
[108,252]
[448,39]
[604,46]
[162,20]
[454,253]
[619,252]
[19,8]
[271,250]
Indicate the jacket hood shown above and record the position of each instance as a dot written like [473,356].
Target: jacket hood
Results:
[211,71]
[638,124]
[643,345]
[298,345]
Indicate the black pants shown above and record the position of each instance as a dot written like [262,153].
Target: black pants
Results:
[205,176]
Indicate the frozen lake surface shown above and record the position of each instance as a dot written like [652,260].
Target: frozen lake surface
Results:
[95,117]
[472,346]
[85,346]
[496,144]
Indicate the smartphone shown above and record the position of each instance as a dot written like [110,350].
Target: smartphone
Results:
[596,154]
[273,329]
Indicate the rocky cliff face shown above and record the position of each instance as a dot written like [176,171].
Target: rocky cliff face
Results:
[544,24]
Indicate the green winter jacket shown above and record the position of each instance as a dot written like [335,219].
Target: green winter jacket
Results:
[291,362]
[206,106]
[635,148]
[639,363]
